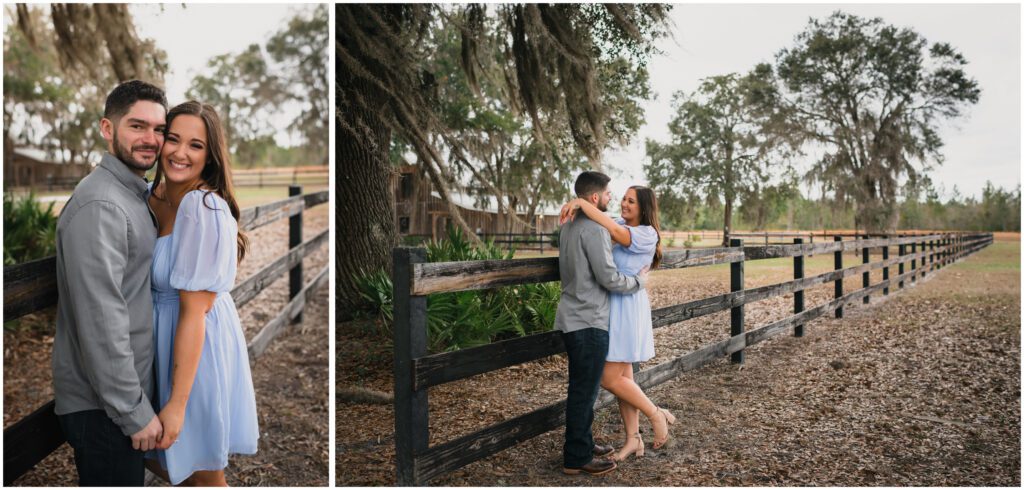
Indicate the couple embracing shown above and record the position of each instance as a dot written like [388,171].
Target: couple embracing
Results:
[150,366]
[604,316]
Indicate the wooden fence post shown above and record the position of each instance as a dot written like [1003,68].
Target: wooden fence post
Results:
[913,262]
[885,270]
[294,240]
[410,342]
[798,296]
[866,280]
[839,282]
[736,284]
[902,250]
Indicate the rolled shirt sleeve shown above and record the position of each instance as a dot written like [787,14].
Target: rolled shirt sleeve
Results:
[598,247]
[94,271]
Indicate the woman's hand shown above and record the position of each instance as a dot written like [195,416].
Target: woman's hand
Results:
[172,417]
[569,210]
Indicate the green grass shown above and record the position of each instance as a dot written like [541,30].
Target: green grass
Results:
[255,196]
[998,257]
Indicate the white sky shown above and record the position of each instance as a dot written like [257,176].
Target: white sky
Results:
[191,34]
[717,39]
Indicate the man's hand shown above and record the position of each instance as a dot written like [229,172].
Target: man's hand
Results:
[642,276]
[145,439]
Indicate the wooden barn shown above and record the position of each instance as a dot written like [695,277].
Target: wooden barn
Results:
[420,211]
[29,168]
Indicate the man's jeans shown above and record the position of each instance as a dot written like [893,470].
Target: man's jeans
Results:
[103,455]
[587,349]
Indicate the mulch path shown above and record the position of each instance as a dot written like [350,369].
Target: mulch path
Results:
[922,388]
[290,378]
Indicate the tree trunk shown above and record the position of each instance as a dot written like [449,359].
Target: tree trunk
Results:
[727,222]
[365,216]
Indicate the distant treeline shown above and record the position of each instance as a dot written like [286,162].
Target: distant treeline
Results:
[996,210]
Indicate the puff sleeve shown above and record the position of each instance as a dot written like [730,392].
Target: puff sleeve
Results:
[204,250]
[643,238]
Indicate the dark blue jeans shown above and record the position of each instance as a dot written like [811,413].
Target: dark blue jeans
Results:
[587,350]
[103,455]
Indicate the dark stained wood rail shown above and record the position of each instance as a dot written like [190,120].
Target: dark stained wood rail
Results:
[32,286]
[440,277]
[416,371]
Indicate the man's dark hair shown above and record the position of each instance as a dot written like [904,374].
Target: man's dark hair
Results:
[128,93]
[590,182]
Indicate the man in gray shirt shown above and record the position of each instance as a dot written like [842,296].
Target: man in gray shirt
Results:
[588,274]
[103,348]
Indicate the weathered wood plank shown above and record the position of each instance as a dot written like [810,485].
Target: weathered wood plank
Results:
[246,290]
[779,251]
[450,456]
[253,218]
[29,287]
[697,257]
[29,441]
[273,328]
[438,277]
[451,366]
[314,199]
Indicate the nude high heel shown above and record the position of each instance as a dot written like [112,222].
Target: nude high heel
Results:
[639,451]
[669,420]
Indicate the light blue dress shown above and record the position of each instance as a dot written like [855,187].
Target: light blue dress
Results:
[220,417]
[630,336]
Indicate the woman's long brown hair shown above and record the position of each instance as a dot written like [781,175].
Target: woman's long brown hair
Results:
[216,175]
[649,216]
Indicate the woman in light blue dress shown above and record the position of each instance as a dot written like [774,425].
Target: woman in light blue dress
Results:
[205,397]
[636,242]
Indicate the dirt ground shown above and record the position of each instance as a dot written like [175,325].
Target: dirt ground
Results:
[921,388]
[290,378]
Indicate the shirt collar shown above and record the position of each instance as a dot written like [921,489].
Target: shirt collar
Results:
[125,175]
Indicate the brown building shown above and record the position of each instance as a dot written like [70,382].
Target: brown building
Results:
[29,168]
[420,211]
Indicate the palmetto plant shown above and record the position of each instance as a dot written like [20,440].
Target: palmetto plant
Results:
[465,319]
[30,229]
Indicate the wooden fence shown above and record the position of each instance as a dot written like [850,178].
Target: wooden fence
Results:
[280,176]
[32,286]
[415,371]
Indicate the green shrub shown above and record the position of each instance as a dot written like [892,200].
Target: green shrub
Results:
[466,319]
[30,229]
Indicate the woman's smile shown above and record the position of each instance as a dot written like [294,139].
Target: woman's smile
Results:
[185,149]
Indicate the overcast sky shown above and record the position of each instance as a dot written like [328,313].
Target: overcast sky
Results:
[192,34]
[718,39]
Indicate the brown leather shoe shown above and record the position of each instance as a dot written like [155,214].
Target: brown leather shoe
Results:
[601,451]
[594,467]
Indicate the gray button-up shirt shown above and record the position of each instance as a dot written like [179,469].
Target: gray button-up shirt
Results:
[588,273]
[103,349]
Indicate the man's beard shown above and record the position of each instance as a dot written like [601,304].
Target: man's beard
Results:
[602,206]
[125,155]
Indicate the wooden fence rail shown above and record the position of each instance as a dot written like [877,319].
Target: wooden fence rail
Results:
[415,371]
[32,286]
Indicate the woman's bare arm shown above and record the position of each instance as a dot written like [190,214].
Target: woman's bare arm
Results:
[620,234]
[188,347]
